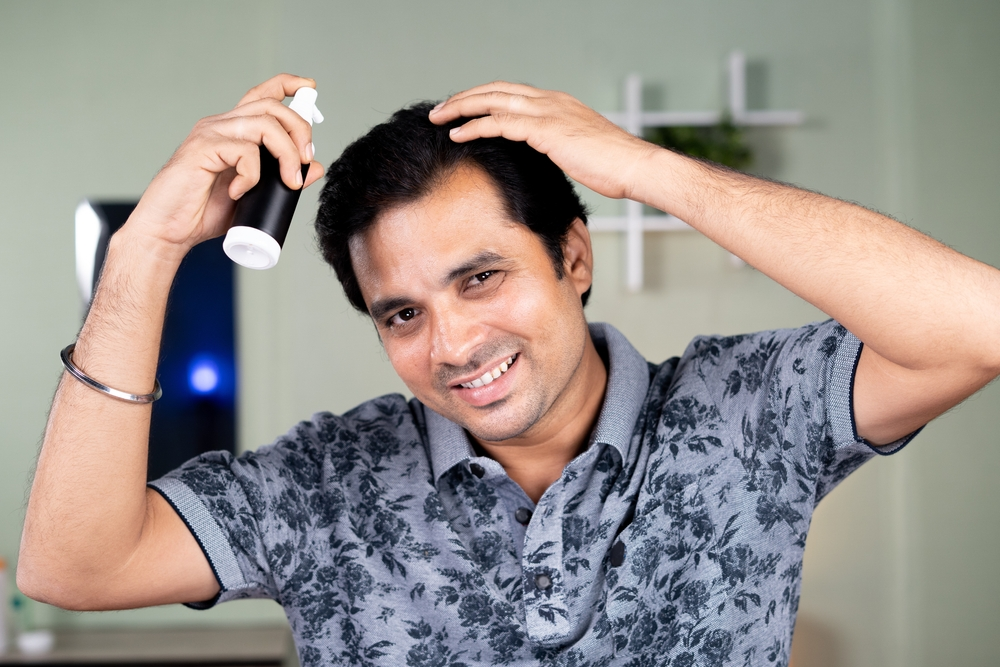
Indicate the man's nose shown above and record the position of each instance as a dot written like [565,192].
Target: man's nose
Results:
[455,336]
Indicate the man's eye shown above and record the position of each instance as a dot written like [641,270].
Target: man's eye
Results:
[481,278]
[402,316]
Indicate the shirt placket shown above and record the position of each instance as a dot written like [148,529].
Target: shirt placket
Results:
[547,611]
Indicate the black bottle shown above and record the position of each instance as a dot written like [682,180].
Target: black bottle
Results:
[264,213]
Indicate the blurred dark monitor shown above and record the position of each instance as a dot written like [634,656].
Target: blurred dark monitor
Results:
[197,368]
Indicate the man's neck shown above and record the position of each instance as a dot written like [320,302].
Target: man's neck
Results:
[536,459]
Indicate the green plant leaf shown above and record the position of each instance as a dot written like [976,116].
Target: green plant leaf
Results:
[722,143]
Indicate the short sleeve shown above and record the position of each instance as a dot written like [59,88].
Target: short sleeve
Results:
[248,513]
[790,393]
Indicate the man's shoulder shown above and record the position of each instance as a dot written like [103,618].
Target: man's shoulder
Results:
[764,346]
[374,422]
[382,429]
[727,366]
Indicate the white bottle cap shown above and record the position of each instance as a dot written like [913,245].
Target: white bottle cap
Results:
[252,248]
[304,104]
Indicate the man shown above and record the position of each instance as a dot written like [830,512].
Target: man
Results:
[548,497]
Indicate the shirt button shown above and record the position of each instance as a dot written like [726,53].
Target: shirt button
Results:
[523,515]
[477,470]
[543,582]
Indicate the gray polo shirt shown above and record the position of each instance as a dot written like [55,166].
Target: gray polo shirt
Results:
[675,537]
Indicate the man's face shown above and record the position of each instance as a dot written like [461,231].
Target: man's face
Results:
[470,310]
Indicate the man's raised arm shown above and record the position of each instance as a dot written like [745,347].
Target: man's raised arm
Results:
[94,536]
[928,316]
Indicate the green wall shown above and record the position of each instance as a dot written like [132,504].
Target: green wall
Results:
[899,96]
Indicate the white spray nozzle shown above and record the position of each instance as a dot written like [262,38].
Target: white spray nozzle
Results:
[304,104]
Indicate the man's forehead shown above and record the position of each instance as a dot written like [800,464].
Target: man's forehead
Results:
[463,197]
[460,224]
[394,250]
[464,183]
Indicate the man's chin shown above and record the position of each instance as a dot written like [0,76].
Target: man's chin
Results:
[502,423]
[495,434]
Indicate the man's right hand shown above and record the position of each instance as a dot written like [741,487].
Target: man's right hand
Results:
[193,197]
[94,536]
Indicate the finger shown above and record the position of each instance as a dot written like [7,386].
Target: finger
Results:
[277,87]
[219,195]
[503,87]
[297,128]
[242,160]
[508,126]
[220,205]
[484,104]
[315,173]
[476,101]
[267,131]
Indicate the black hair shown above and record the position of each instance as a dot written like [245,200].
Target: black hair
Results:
[404,158]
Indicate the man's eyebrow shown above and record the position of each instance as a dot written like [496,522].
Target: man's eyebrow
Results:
[475,262]
[379,309]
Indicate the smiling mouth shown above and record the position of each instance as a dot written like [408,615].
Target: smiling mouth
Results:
[490,376]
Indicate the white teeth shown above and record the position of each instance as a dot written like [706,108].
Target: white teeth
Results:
[489,376]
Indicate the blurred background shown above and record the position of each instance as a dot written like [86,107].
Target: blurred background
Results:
[901,102]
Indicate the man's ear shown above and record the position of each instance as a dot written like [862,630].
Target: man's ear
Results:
[578,256]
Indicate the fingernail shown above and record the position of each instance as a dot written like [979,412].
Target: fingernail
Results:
[298,178]
[237,197]
[310,151]
[435,109]
[453,131]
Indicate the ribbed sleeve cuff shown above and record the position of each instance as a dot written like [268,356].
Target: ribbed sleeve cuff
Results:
[207,533]
[840,403]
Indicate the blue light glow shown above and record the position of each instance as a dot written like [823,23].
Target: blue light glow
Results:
[203,376]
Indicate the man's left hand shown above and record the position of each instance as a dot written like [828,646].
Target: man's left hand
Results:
[587,146]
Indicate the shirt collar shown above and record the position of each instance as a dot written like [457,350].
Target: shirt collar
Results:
[628,382]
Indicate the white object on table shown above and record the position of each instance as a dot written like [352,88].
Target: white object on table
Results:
[36,642]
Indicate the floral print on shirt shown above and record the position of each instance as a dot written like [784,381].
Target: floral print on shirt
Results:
[675,539]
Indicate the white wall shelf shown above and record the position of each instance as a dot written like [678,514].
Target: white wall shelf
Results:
[633,119]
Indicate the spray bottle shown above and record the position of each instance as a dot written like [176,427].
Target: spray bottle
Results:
[264,213]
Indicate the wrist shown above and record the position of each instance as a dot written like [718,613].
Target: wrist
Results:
[120,339]
[653,178]
[133,289]
[145,253]
[682,186]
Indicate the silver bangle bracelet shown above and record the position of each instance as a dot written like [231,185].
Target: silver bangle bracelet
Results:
[67,359]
